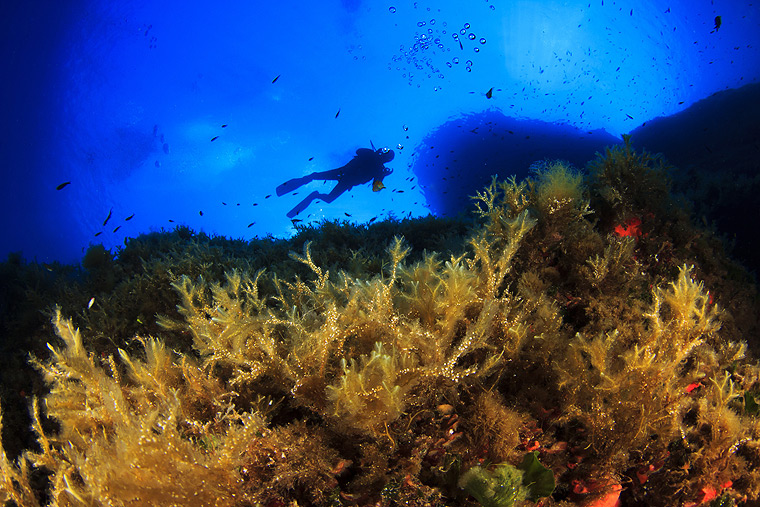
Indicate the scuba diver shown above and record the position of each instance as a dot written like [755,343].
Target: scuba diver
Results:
[365,166]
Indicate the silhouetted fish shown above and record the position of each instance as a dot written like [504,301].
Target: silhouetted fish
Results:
[276,78]
[110,212]
[130,217]
[214,138]
[489,93]
[336,114]
[63,185]
[249,225]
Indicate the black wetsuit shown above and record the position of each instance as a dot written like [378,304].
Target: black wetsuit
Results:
[366,166]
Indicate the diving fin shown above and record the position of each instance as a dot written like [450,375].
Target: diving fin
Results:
[291,185]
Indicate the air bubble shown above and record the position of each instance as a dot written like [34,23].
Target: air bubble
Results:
[469,69]
[493,8]
[471,36]
[420,23]
[455,35]
[477,50]
[406,127]
[463,31]
[455,60]
[468,63]
[449,64]
[466,26]
[432,21]
[482,40]
[399,146]
[392,9]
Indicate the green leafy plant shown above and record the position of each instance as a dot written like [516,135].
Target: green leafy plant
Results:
[506,485]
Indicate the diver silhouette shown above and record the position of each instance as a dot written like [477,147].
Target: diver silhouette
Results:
[365,166]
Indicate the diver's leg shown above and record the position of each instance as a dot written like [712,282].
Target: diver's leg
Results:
[334,193]
[328,198]
[295,183]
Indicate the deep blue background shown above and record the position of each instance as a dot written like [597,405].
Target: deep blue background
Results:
[123,99]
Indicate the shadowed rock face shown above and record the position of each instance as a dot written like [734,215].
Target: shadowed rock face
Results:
[458,158]
[715,148]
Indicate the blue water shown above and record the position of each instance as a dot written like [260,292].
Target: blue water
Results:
[129,100]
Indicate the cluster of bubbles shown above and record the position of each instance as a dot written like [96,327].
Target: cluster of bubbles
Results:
[430,48]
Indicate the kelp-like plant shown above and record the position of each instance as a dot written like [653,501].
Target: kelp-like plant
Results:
[420,385]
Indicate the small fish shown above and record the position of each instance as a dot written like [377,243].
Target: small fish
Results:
[47,266]
[251,224]
[98,233]
[377,186]
[110,212]
[347,214]
[224,125]
[311,158]
[63,185]
[336,114]
[718,22]
[92,301]
[255,204]
[268,196]
[489,93]
[372,219]
[224,203]
[130,217]
[275,79]
[171,221]
[200,213]
[629,116]
[117,228]
[214,138]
